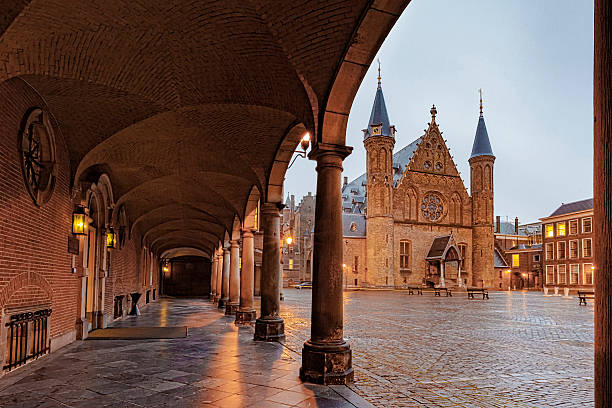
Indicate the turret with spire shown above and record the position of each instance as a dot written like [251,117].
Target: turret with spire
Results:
[379,140]
[481,189]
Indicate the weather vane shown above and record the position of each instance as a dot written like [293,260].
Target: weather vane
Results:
[378,60]
[480,92]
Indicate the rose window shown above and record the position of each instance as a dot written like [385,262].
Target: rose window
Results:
[432,207]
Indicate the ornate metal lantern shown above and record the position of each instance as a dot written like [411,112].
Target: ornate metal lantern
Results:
[111,238]
[79,221]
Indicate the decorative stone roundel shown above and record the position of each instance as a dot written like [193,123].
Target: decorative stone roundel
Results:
[37,151]
[432,207]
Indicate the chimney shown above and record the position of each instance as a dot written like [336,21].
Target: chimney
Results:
[516,225]
[497,224]
[345,182]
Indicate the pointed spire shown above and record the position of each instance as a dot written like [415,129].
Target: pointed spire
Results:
[482,145]
[379,124]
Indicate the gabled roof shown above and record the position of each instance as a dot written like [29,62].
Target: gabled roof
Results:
[498,260]
[379,116]
[576,206]
[482,145]
[438,247]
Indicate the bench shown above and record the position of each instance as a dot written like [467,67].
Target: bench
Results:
[471,291]
[411,290]
[583,295]
[437,291]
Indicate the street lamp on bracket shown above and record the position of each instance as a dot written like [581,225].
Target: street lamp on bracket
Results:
[304,144]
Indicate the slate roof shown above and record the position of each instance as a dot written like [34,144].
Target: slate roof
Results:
[438,246]
[482,145]
[379,115]
[356,220]
[498,260]
[573,207]
[355,191]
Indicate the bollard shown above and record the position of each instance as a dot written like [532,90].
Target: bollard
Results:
[545,291]
[556,291]
[566,292]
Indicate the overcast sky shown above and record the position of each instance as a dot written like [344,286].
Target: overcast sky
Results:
[534,61]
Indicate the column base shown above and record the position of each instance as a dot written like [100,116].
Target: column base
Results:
[211,297]
[327,364]
[245,316]
[231,309]
[269,329]
[222,303]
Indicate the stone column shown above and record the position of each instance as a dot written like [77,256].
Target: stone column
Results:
[257,283]
[246,313]
[270,326]
[326,357]
[602,206]
[234,280]
[225,279]
[219,256]
[213,277]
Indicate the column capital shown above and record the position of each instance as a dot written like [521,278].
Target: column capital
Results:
[247,232]
[273,209]
[234,243]
[321,150]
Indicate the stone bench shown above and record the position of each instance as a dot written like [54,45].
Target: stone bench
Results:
[471,291]
[584,295]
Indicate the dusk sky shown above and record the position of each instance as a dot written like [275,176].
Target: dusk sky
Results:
[534,61]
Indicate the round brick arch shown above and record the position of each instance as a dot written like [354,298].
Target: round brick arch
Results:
[185,115]
[21,281]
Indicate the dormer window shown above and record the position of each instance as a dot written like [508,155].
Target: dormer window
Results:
[376,130]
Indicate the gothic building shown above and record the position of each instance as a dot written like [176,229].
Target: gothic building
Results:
[409,219]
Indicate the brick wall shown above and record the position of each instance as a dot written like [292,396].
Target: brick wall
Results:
[33,240]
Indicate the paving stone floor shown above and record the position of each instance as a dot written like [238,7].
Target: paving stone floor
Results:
[515,350]
[217,365]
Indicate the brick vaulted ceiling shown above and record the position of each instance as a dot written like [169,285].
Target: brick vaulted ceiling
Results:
[188,105]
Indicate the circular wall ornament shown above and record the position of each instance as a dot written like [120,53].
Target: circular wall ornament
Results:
[432,207]
[37,153]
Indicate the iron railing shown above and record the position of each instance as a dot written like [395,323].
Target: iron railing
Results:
[27,337]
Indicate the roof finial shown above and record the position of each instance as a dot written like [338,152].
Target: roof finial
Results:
[480,92]
[433,112]
[378,60]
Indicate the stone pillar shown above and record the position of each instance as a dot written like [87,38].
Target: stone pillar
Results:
[270,326]
[213,277]
[225,279]
[257,283]
[326,357]
[246,313]
[219,256]
[602,206]
[234,280]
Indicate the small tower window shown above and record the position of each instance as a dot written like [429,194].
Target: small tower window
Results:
[438,166]
[427,165]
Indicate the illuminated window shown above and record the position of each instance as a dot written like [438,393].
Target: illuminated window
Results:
[561,250]
[561,272]
[586,226]
[574,274]
[561,229]
[515,260]
[550,251]
[573,227]
[550,231]
[405,253]
[550,274]
[290,263]
[587,250]
[573,249]
[587,270]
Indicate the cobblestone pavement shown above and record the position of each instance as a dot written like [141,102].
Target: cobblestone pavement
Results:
[216,365]
[514,350]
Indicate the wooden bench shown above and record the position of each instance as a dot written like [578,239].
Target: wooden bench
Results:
[437,291]
[471,291]
[411,290]
[583,295]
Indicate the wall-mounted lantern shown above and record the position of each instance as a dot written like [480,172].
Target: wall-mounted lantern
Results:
[79,221]
[111,238]
[289,240]
[165,267]
[304,144]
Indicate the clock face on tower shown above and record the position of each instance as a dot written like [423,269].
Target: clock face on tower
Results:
[432,207]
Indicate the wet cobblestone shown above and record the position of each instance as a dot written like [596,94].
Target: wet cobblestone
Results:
[514,350]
